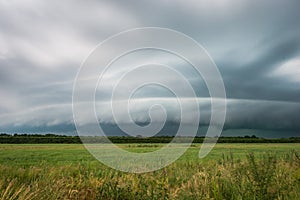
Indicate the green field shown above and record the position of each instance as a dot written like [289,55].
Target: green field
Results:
[230,171]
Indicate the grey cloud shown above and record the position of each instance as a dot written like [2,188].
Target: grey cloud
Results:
[252,81]
[42,45]
[241,114]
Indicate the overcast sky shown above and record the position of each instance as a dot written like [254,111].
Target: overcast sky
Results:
[255,44]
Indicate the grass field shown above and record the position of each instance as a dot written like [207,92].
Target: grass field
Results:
[230,171]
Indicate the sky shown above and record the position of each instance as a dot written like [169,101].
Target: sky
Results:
[255,45]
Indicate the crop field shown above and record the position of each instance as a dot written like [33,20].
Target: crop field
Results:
[230,171]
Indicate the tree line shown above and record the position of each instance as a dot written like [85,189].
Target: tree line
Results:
[64,139]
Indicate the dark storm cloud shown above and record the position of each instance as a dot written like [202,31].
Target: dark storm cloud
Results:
[251,80]
[42,45]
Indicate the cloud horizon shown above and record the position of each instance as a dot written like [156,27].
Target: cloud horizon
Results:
[255,45]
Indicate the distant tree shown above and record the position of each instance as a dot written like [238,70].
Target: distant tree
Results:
[51,135]
[4,134]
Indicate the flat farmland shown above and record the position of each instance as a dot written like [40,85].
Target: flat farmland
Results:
[230,171]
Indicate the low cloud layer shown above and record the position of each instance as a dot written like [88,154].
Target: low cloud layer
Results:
[255,115]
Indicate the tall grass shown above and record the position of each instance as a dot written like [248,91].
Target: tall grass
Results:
[264,176]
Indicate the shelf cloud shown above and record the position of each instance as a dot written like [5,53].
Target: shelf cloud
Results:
[255,45]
